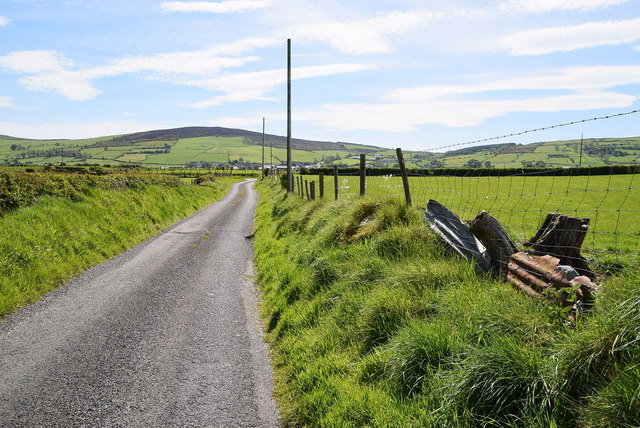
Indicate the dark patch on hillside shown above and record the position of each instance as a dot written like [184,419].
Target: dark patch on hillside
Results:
[477,149]
[250,137]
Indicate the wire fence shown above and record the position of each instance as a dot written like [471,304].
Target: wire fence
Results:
[520,202]
[604,201]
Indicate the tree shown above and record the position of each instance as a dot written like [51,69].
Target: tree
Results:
[473,163]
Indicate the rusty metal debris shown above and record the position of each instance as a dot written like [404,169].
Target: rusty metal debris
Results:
[554,267]
[536,276]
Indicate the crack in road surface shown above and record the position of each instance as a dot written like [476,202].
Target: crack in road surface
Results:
[166,335]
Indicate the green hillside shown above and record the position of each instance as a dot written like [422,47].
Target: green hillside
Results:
[193,145]
[595,151]
[174,147]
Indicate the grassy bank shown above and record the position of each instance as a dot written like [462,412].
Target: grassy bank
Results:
[53,227]
[371,323]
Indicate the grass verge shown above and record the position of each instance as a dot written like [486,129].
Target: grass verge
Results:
[50,239]
[372,323]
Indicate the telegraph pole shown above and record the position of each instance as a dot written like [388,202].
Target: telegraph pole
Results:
[581,142]
[289,171]
[263,147]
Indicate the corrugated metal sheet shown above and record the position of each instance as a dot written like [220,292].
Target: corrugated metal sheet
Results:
[536,275]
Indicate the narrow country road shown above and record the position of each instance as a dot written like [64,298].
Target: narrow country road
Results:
[165,335]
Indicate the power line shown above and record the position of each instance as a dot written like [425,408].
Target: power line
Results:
[515,134]
[304,18]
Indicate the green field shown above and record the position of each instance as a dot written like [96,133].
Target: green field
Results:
[601,151]
[178,148]
[174,152]
[181,152]
[521,203]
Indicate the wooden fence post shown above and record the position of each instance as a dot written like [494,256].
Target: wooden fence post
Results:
[321,184]
[313,190]
[405,178]
[335,181]
[306,188]
[363,174]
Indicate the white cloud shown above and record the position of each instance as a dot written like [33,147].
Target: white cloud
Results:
[5,102]
[50,71]
[35,61]
[404,117]
[72,85]
[74,130]
[253,86]
[369,36]
[215,7]
[562,39]
[556,5]
[585,79]
[192,63]
[3,21]
[449,105]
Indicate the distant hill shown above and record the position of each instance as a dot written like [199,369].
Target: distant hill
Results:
[250,137]
[177,147]
[209,145]
[568,153]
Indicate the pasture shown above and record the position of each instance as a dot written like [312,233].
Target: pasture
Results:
[521,203]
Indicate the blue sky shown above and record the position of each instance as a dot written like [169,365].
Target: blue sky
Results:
[416,74]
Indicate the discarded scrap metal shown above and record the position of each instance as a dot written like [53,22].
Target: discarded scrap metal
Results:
[557,266]
[456,234]
[537,275]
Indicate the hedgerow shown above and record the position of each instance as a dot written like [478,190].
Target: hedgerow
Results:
[19,189]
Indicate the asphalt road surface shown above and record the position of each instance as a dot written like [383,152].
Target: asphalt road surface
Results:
[166,335]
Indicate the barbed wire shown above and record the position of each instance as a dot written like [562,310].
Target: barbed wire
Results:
[515,134]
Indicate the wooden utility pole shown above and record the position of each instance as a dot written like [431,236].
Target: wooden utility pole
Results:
[335,181]
[263,147]
[363,174]
[581,142]
[289,170]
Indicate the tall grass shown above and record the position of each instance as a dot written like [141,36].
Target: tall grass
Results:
[373,323]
